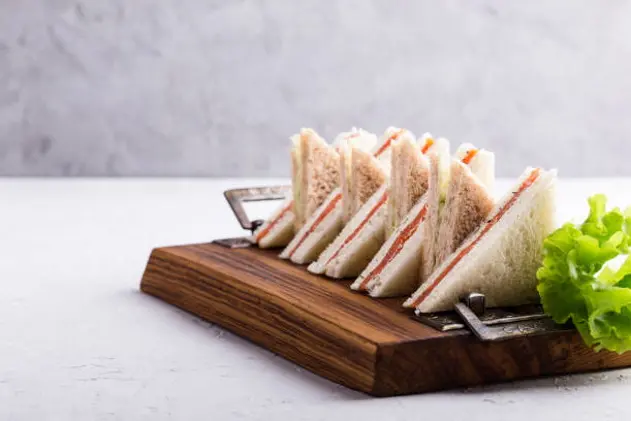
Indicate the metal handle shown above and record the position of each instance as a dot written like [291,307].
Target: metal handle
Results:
[515,327]
[236,198]
[492,324]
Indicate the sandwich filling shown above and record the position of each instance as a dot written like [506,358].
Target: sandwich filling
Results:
[438,200]
[342,148]
[360,227]
[272,223]
[428,144]
[409,179]
[352,147]
[396,247]
[471,153]
[329,208]
[534,175]
[297,175]
[344,142]
[384,147]
[315,173]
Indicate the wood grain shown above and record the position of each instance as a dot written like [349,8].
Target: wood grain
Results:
[365,344]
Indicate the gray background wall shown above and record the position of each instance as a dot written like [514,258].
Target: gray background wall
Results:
[215,87]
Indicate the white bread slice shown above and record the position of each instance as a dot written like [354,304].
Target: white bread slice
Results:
[439,178]
[319,230]
[361,172]
[363,235]
[353,250]
[383,150]
[298,203]
[278,230]
[394,269]
[469,200]
[436,193]
[368,177]
[408,176]
[359,261]
[359,240]
[501,257]
[480,161]
[325,223]
[345,143]
[315,173]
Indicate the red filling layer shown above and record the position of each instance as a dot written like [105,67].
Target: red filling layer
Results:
[396,246]
[388,142]
[275,221]
[469,156]
[428,144]
[317,222]
[525,185]
[360,227]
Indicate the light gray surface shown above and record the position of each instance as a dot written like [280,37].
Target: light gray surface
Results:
[79,342]
[190,87]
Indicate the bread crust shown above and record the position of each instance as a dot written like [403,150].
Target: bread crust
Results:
[507,249]
[408,180]
[367,176]
[320,174]
[430,238]
[468,203]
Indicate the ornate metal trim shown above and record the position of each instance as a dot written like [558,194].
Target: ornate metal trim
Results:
[237,197]
[492,324]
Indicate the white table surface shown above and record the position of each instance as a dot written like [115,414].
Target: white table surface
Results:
[79,342]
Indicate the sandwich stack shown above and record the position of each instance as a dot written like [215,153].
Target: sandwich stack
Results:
[378,231]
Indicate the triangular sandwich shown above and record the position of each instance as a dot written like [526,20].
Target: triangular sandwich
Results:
[278,230]
[362,237]
[500,258]
[409,177]
[325,223]
[315,173]
[311,156]
[364,171]
[468,201]
[395,270]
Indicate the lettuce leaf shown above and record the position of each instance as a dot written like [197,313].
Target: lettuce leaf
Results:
[578,279]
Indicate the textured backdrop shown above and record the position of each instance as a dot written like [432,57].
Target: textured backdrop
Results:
[215,87]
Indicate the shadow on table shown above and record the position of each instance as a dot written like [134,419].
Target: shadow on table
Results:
[289,369]
[564,383]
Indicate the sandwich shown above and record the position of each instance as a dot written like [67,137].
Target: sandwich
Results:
[469,198]
[365,167]
[409,179]
[501,257]
[278,230]
[395,269]
[315,173]
[362,237]
[319,230]
[458,200]
[364,233]
[358,241]
[361,174]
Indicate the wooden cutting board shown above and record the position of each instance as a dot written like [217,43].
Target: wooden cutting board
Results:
[370,345]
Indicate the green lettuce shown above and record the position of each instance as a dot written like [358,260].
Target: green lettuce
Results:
[585,276]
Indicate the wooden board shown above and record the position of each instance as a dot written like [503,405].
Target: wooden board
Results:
[369,345]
